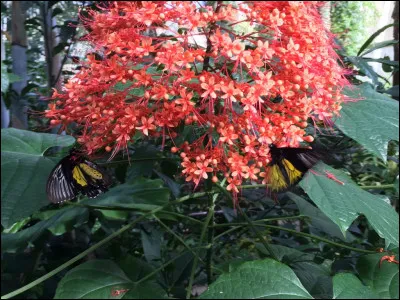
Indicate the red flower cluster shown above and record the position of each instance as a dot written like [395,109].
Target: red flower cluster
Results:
[244,77]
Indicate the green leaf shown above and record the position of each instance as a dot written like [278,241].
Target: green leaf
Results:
[152,245]
[59,48]
[24,171]
[394,91]
[285,254]
[144,194]
[319,220]
[365,68]
[95,279]
[4,78]
[383,61]
[372,122]
[69,218]
[372,37]
[17,226]
[344,203]
[13,77]
[182,268]
[315,278]
[384,280]
[100,279]
[119,86]
[61,222]
[146,290]
[260,279]
[173,186]
[348,286]
[143,161]
[381,45]
[56,12]
[134,268]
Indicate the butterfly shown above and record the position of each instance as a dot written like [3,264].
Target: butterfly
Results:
[75,174]
[288,166]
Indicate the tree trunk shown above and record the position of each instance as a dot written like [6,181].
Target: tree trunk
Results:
[18,108]
[5,113]
[325,12]
[395,16]
[54,62]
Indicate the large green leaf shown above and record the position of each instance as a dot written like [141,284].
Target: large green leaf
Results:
[348,286]
[61,222]
[100,279]
[344,203]
[372,122]
[24,171]
[319,220]
[146,290]
[143,194]
[260,279]
[152,240]
[134,267]
[314,277]
[383,280]
[365,68]
[286,254]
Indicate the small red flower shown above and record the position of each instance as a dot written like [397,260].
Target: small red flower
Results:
[388,258]
[116,292]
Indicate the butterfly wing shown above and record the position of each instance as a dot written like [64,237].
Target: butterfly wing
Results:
[60,187]
[288,166]
[302,159]
[97,180]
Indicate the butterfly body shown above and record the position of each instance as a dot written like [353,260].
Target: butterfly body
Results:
[75,174]
[288,166]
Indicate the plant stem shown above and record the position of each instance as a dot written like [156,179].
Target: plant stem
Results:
[227,231]
[98,245]
[195,261]
[365,187]
[378,187]
[160,268]
[237,225]
[121,208]
[178,238]
[181,216]
[210,239]
[118,162]
[259,235]
[265,220]
[263,241]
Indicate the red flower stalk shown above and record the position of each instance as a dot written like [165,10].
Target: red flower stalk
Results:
[244,76]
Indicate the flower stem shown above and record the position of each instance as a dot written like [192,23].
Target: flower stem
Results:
[259,235]
[238,225]
[195,261]
[161,267]
[178,238]
[365,187]
[210,239]
[263,241]
[377,187]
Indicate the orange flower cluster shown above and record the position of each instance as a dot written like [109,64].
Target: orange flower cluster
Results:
[243,76]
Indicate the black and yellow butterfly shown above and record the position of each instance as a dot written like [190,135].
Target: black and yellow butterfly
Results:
[288,166]
[75,174]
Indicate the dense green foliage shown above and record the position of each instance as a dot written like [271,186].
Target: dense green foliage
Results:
[350,20]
